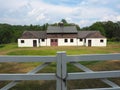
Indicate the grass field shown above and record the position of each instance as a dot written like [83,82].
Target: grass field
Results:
[12,49]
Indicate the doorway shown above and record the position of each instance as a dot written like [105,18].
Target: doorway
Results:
[34,43]
[54,42]
[89,43]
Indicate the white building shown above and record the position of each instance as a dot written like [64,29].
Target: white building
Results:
[61,36]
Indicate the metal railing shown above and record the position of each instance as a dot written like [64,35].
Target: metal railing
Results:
[61,76]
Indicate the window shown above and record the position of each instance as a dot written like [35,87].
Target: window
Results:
[43,40]
[22,41]
[101,41]
[81,39]
[65,40]
[71,40]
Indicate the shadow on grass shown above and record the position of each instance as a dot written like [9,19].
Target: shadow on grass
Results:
[1,46]
[35,85]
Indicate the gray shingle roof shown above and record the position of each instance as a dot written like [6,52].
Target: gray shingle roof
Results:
[62,29]
[90,34]
[43,34]
[33,34]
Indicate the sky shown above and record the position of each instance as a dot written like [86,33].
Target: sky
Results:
[38,12]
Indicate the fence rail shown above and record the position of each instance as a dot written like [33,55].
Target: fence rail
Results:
[61,76]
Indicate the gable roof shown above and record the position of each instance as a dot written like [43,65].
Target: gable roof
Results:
[43,34]
[90,34]
[33,34]
[61,29]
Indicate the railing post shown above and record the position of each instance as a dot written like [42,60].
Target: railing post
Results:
[64,71]
[61,71]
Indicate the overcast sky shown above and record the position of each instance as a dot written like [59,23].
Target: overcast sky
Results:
[81,12]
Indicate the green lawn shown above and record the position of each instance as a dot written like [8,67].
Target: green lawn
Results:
[12,49]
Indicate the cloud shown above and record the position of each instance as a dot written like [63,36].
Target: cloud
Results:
[12,4]
[111,17]
[82,12]
[63,2]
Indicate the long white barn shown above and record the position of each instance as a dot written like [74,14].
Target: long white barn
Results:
[61,36]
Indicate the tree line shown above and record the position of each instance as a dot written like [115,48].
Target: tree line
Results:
[109,29]
[10,33]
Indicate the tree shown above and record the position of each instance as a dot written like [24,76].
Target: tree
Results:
[109,29]
[116,33]
[6,33]
[77,26]
[98,26]
[64,21]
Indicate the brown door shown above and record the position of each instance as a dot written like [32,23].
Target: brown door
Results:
[34,43]
[54,42]
[89,43]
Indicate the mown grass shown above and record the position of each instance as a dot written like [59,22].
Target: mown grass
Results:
[12,49]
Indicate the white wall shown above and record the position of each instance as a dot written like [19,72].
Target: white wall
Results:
[43,43]
[96,41]
[61,42]
[27,43]
[48,42]
[80,43]
[77,42]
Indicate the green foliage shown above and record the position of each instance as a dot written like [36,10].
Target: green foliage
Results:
[109,29]
[10,33]
[98,26]
[64,21]
[78,28]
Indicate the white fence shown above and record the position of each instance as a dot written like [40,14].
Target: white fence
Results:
[61,76]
